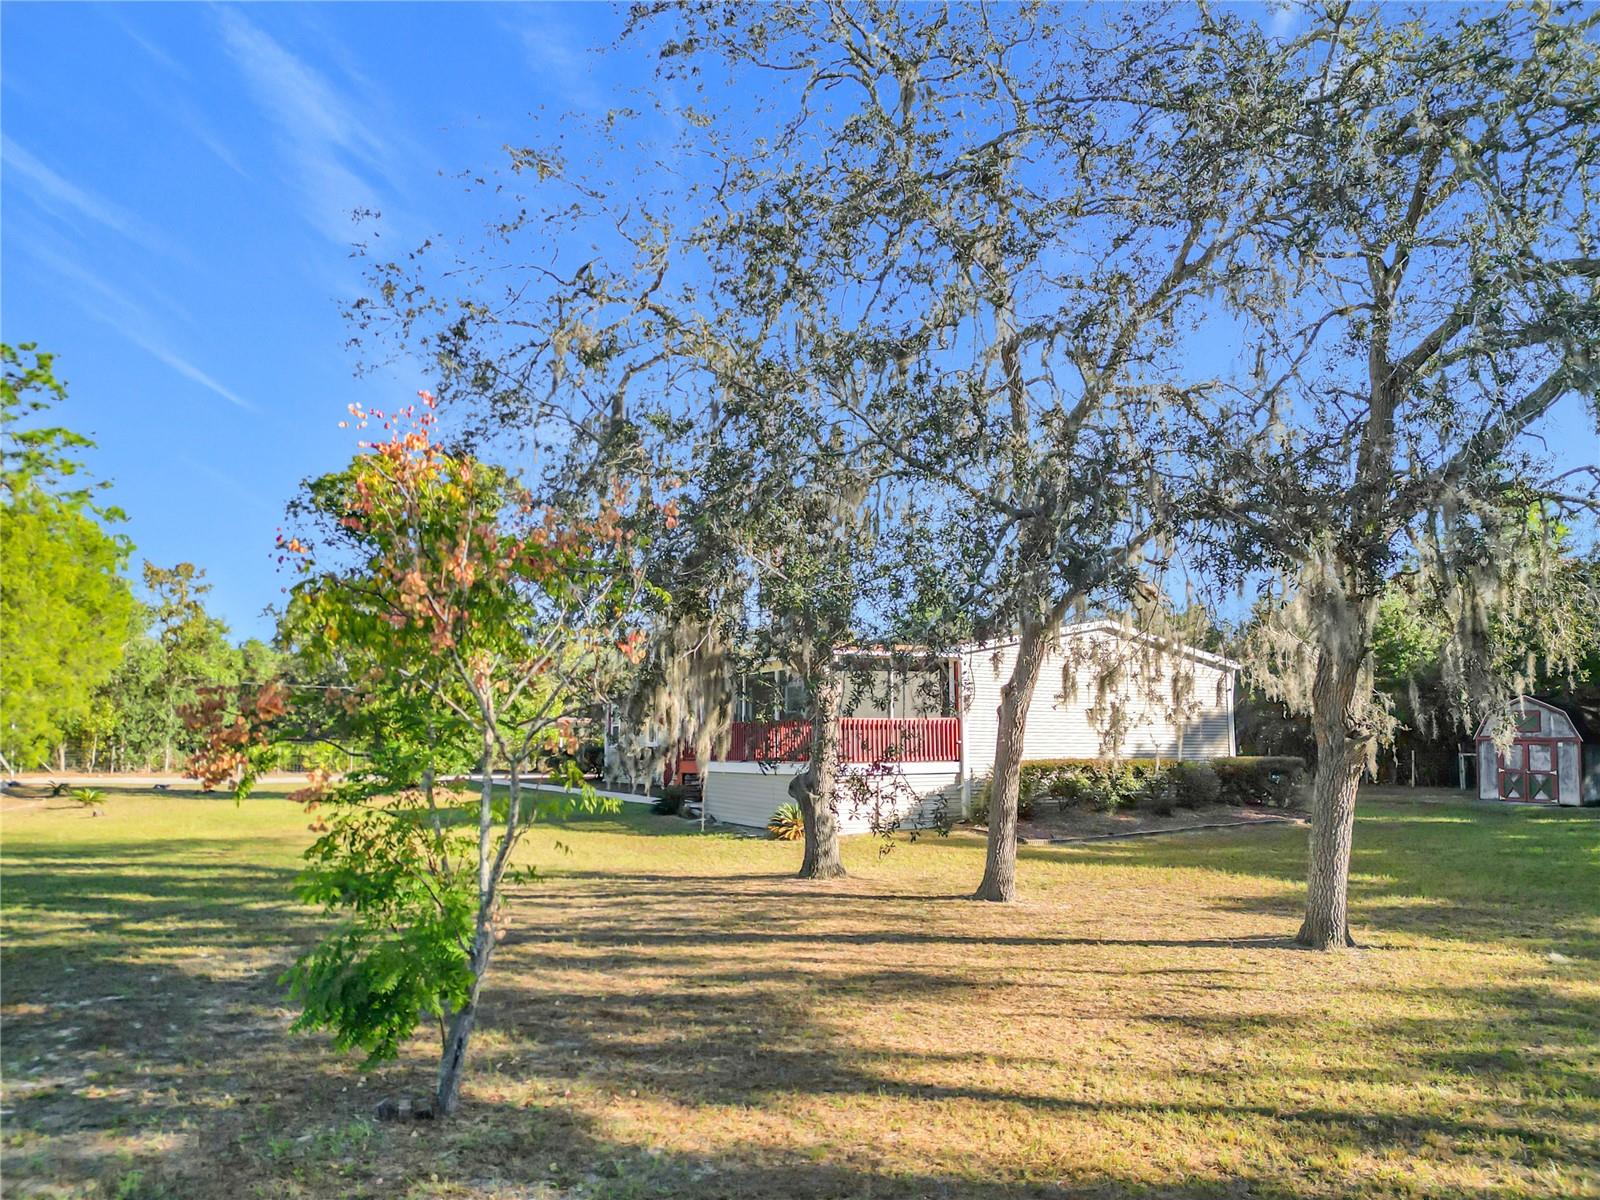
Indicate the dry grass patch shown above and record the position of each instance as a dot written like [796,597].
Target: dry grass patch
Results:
[674,1016]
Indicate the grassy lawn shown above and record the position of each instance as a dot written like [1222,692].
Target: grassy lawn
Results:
[673,1016]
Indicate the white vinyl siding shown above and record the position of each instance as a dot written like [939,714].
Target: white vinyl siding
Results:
[1165,703]
[736,795]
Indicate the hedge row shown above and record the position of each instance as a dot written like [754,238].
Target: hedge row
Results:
[1160,785]
[1269,779]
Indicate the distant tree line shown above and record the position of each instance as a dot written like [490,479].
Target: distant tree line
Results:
[175,649]
[90,673]
[1411,648]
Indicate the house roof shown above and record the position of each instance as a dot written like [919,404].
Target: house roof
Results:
[1074,629]
[1107,625]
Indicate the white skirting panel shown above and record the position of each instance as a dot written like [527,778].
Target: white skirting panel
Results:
[741,793]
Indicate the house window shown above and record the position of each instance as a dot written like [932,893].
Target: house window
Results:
[1528,722]
[794,697]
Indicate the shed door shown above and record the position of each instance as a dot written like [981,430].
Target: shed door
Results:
[1529,772]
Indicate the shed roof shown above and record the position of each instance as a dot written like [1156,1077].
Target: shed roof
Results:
[1585,717]
[1585,720]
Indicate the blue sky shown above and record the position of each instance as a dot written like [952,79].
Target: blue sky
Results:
[176,195]
[177,189]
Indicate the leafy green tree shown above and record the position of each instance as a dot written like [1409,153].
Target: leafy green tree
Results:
[193,647]
[65,611]
[451,623]
[65,616]
[41,458]
[136,719]
[257,661]
[1433,214]
[1406,638]
[135,701]
[782,495]
[980,249]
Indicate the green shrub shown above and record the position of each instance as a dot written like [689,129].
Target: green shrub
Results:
[1270,781]
[787,824]
[1027,804]
[1160,786]
[1098,784]
[1105,785]
[1194,784]
[670,800]
[1069,787]
[1158,792]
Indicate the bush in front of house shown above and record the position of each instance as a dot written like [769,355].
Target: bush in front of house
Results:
[1105,785]
[1194,784]
[1158,793]
[670,800]
[1160,787]
[1027,803]
[1270,781]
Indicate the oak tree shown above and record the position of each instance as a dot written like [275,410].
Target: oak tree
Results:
[977,233]
[1433,217]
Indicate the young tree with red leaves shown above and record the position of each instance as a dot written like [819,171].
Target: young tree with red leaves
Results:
[456,626]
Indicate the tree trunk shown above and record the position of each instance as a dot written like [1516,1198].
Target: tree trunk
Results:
[1000,866]
[453,1061]
[815,789]
[447,1093]
[1340,756]
[1333,823]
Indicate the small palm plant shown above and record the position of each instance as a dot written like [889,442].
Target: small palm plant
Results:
[787,825]
[90,798]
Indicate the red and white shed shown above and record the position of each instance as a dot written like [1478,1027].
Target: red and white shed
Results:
[1544,762]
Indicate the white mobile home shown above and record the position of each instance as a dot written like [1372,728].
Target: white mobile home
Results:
[927,735]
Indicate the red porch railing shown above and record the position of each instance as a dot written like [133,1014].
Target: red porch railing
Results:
[769,741]
[862,739]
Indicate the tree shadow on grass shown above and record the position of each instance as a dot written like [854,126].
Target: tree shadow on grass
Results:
[551,1149]
[711,1035]
[611,1068]
[87,900]
[141,996]
[572,1154]
[1541,1035]
[1455,872]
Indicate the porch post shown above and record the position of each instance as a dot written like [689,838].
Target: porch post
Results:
[961,737]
